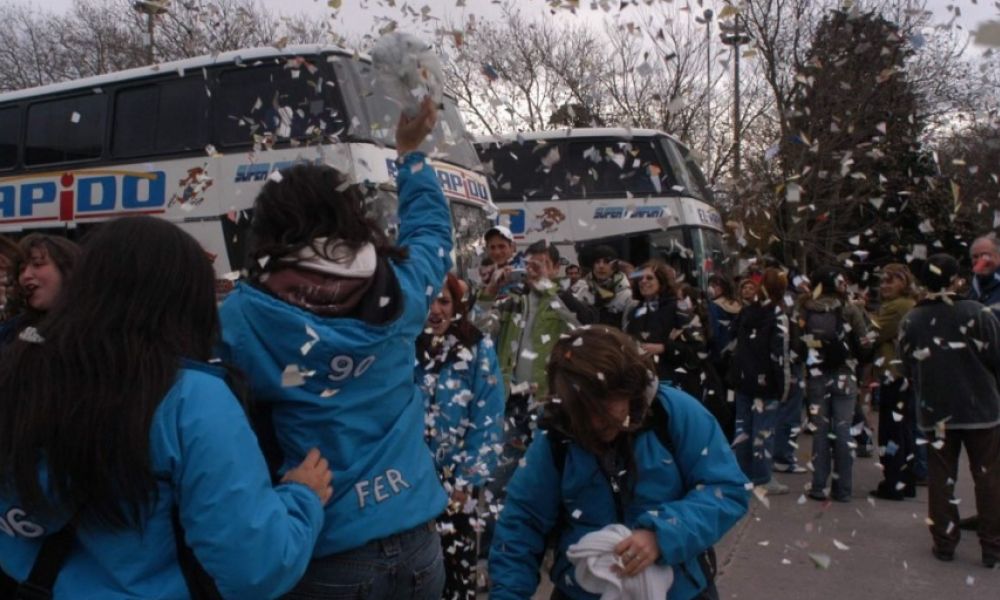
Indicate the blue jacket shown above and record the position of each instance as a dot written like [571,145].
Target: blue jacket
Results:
[689,499]
[464,401]
[254,540]
[358,404]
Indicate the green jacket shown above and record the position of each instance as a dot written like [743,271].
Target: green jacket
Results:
[504,319]
[890,315]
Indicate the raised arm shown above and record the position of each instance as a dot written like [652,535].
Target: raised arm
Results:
[425,220]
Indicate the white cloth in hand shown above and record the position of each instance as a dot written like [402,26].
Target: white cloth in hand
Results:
[594,555]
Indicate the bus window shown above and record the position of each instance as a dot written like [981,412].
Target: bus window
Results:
[293,101]
[688,172]
[160,118]
[453,143]
[10,131]
[527,170]
[616,168]
[64,130]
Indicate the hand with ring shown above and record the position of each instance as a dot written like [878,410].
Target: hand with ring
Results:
[637,552]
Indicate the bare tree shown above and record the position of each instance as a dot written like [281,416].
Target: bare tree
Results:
[101,36]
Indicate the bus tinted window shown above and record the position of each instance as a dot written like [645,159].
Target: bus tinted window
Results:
[577,169]
[526,170]
[166,117]
[10,130]
[65,130]
[291,101]
[616,168]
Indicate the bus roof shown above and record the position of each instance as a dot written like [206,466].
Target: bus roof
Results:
[576,132]
[187,64]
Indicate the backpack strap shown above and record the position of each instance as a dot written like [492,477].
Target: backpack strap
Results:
[200,584]
[41,580]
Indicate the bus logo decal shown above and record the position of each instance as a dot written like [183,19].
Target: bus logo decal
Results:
[91,194]
[621,212]
[453,183]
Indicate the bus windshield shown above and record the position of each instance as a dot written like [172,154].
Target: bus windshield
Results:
[381,110]
[687,171]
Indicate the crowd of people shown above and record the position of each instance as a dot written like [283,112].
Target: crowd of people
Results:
[356,421]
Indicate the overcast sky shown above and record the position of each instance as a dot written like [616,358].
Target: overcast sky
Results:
[358,17]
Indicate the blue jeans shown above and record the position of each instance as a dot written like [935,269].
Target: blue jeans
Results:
[397,567]
[789,419]
[754,441]
[831,410]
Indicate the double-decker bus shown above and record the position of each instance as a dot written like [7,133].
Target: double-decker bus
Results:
[637,190]
[193,141]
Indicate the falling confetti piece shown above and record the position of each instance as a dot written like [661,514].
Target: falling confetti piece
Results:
[822,561]
[313,338]
[292,377]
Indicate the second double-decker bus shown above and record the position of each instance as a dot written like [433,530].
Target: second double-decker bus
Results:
[193,141]
[637,190]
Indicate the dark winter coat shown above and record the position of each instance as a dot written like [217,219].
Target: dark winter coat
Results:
[987,292]
[651,322]
[760,367]
[950,349]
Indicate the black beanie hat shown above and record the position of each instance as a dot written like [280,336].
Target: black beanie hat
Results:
[938,272]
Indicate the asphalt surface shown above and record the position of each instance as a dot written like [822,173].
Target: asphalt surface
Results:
[792,547]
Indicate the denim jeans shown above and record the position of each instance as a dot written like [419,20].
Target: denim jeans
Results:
[754,441]
[397,567]
[832,397]
[789,419]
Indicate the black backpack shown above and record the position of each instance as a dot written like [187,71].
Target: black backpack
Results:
[829,337]
[559,444]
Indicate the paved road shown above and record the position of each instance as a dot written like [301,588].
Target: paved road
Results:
[877,549]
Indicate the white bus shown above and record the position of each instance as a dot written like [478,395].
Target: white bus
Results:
[636,190]
[193,141]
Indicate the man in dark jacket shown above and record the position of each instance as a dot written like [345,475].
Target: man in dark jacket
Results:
[985,289]
[949,349]
[985,255]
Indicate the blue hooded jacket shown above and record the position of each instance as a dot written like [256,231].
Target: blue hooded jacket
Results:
[688,498]
[254,540]
[352,393]
[464,400]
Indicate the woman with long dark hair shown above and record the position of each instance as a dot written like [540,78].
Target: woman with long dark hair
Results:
[662,329]
[623,458]
[325,331]
[458,372]
[44,264]
[120,437]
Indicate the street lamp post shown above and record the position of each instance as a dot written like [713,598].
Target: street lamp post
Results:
[708,84]
[151,8]
[735,35]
